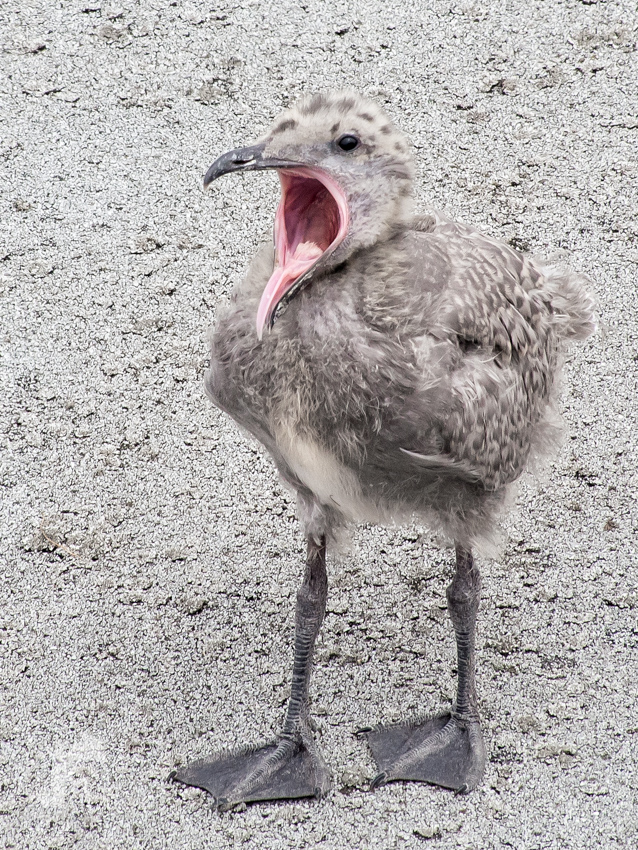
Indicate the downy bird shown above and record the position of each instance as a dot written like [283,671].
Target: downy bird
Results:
[395,366]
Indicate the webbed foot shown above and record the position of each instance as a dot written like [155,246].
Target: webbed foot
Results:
[447,750]
[292,766]
[283,770]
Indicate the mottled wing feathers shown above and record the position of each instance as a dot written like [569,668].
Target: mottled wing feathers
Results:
[494,306]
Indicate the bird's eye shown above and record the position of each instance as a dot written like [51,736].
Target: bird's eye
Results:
[348,142]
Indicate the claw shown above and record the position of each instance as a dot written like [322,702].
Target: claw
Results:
[379,780]
[224,805]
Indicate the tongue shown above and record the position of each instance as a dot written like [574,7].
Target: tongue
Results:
[306,254]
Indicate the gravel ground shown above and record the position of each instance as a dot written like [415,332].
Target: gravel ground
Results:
[149,554]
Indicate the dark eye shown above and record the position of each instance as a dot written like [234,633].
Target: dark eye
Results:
[348,142]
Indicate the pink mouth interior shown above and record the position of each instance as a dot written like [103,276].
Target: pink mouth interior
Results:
[312,219]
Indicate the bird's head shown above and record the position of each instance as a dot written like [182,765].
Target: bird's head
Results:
[346,182]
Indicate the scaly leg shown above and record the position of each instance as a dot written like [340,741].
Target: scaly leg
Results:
[292,766]
[446,750]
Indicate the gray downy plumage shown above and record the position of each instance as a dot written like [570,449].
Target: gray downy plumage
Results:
[408,370]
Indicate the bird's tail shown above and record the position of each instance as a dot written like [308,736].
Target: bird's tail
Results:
[573,303]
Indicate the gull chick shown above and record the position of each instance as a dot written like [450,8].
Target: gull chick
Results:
[395,366]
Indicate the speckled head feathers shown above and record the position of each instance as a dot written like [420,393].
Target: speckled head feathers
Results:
[323,118]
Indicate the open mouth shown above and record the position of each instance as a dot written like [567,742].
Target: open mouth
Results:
[311,221]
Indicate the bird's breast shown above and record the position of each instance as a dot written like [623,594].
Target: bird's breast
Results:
[327,478]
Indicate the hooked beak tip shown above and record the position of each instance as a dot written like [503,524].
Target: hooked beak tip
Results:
[235,160]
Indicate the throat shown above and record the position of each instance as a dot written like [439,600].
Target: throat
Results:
[312,219]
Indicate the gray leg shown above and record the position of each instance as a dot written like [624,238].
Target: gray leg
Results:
[446,750]
[292,766]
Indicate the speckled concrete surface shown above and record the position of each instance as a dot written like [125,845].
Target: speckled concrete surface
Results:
[149,556]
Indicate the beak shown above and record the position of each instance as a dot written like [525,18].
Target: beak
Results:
[244,159]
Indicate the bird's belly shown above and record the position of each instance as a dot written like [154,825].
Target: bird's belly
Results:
[330,481]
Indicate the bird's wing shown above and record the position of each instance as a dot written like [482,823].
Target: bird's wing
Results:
[490,326]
